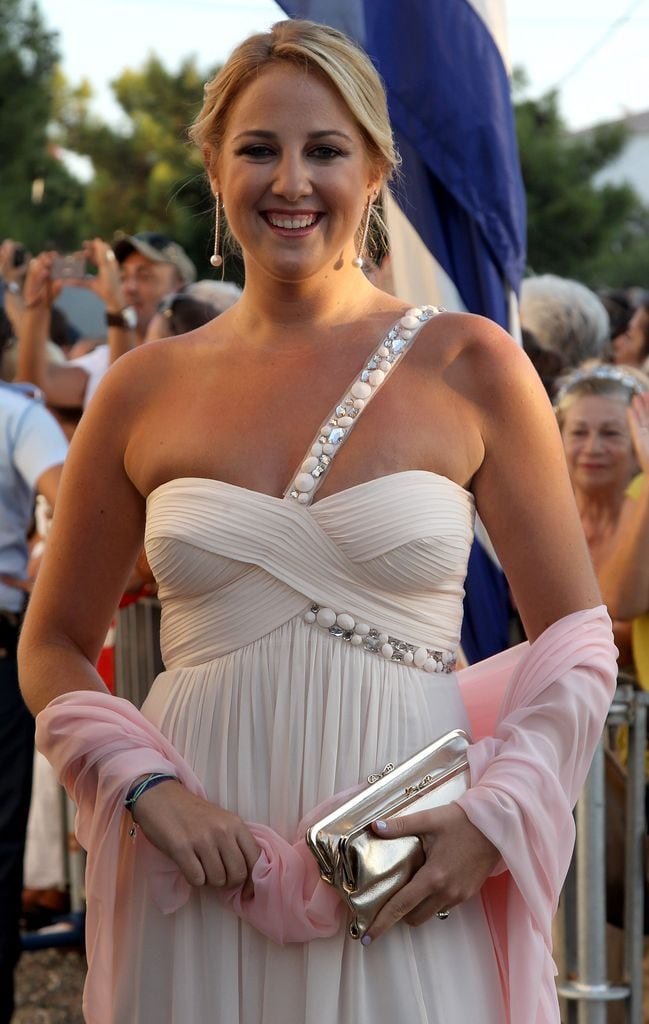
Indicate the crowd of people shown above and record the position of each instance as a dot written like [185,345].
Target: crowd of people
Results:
[49,370]
[200,433]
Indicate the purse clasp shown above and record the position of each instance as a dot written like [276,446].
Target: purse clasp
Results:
[386,771]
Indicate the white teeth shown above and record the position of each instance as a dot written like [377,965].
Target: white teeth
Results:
[292,222]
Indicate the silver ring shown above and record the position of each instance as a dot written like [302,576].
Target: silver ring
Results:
[443,914]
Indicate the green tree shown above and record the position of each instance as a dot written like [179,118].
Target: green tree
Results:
[39,199]
[575,228]
[146,174]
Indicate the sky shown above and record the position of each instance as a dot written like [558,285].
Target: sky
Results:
[595,51]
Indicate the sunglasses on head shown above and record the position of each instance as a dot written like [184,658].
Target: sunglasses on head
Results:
[154,239]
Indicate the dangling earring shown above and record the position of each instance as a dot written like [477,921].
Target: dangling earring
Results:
[216,260]
[358,260]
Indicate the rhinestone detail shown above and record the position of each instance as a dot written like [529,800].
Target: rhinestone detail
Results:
[334,431]
[359,634]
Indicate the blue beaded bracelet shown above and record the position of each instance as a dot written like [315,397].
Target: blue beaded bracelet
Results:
[148,782]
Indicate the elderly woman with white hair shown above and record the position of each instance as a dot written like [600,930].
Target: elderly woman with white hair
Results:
[592,404]
[565,317]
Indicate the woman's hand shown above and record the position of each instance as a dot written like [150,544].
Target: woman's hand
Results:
[638,416]
[209,845]
[459,859]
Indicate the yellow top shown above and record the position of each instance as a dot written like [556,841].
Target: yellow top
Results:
[640,626]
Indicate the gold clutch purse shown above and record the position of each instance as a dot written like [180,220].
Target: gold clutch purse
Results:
[365,869]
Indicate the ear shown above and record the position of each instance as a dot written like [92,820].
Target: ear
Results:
[375,184]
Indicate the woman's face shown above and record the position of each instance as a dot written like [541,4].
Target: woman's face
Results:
[598,444]
[630,346]
[294,174]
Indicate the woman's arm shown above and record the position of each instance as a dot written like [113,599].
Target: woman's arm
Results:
[522,489]
[95,538]
[524,497]
[62,385]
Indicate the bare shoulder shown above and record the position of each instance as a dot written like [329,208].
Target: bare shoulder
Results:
[474,345]
[141,375]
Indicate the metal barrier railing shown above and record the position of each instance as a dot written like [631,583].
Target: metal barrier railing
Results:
[586,989]
[137,649]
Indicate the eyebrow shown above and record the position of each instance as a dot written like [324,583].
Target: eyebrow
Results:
[261,133]
[604,423]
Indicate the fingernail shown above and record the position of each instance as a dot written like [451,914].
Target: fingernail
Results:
[365,941]
[381,825]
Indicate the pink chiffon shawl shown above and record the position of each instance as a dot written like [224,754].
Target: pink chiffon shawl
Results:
[536,714]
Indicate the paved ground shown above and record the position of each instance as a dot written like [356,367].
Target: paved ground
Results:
[49,984]
[48,987]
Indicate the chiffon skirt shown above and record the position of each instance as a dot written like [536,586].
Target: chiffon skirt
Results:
[272,729]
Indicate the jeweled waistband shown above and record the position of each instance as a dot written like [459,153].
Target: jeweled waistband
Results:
[377,641]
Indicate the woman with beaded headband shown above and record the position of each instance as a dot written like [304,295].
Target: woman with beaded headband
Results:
[307,467]
[592,407]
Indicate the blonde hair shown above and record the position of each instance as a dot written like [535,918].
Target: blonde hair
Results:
[309,47]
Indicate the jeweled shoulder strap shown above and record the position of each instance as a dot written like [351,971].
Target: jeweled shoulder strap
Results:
[339,424]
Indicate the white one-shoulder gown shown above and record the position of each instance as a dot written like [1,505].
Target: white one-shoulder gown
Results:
[275,712]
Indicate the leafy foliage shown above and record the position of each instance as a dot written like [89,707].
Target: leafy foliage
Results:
[28,56]
[147,176]
[576,229]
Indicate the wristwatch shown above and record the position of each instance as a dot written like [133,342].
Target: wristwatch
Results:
[126,319]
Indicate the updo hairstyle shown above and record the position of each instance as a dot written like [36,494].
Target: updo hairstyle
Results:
[320,50]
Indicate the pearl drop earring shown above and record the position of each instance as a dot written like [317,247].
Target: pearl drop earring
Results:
[216,259]
[359,260]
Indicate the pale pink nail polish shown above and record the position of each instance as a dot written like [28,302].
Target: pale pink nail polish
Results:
[365,941]
[381,825]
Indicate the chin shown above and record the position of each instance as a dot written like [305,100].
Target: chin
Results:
[294,271]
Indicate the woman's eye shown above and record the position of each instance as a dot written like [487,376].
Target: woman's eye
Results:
[325,153]
[257,152]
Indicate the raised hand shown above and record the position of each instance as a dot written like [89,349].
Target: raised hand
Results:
[106,284]
[9,272]
[638,416]
[459,859]
[40,288]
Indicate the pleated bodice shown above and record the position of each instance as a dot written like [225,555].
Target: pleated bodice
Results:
[233,564]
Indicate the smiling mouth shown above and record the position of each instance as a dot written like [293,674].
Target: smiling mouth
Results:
[293,222]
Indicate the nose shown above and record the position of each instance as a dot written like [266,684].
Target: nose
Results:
[292,180]
[129,287]
[592,441]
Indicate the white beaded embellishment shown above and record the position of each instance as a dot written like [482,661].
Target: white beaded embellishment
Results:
[335,430]
[360,634]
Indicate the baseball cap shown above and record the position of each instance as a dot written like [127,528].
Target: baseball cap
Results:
[158,248]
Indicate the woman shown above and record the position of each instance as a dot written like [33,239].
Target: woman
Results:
[624,573]
[631,347]
[592,406]
[262,524]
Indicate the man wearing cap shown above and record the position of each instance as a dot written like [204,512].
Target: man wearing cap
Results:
[133,277]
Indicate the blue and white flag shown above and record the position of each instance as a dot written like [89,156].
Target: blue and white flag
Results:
[457,222]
